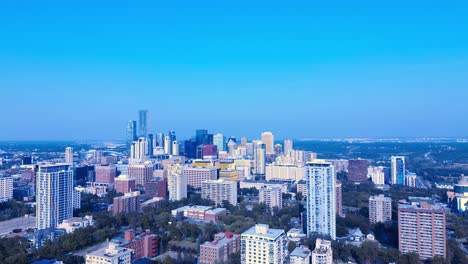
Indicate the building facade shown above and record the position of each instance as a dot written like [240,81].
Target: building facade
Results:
[219,191]
[218,251]
[398,170]
[262,244]
[357,170]
[271,197]
[196,175]
[380,209]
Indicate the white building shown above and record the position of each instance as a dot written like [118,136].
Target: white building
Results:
[322,254]
[269,140]
[377,175]
[219,191]
[176,183]
[6,188]
[398,170]
[196,175]
[220,141]
[74,223]
[321,200]
[259,157]
[139,150]
[272,197]
[410,179]
[113,254]
[69,155]
[300,255]
[261,244]
[288,146]
[284,172]
[380,209]
[76,198]
[54,194]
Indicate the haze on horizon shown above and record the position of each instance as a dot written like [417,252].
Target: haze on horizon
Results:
[71,71]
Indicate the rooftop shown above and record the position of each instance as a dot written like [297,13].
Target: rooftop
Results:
[300,252]
[265,231]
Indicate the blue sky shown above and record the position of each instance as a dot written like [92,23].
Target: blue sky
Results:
[81,69]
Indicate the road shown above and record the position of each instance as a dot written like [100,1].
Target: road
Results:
[22,223]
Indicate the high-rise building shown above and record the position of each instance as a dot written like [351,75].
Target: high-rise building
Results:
[322,254]
[54,195]
[176,183]
[218,251]
[262,244]
[131,132]
[167,145]
[321,198]
[244,141]
[150,144]
[259,158]
[421,229]
[128,203]
[196,175]
[143,124]
[339,199]
[288,146]
[157,187]
[269,140]
[113,254]
[380,209]
[105,173]
[357,170]
[410,179]
[142,173]
[6,188]
[201,136]
[125,184]
[220,141]
[284,172]
[139,149]
[271,197]
[219,191]
[376,174]
[69,155]
[398,170]
[459,196]
[175,148]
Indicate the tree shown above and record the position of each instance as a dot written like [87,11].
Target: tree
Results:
[291,246]
[408,258]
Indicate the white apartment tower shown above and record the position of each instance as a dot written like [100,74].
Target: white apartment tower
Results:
[69,155]
[271,196]
[54,194]
[219,191]
[6,188]
[380,209]
[261,244]
[321,200]
[176,183]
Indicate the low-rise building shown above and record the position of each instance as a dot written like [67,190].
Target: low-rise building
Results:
[74,223]
[113,254]
[322,254]
[218,251]
[144,245]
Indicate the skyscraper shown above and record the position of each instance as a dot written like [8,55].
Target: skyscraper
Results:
[131,132]
[220,141]
[288,146]
[201,136]
[139,149]
[175,148]
[321,212]
[269,140]
[160,140]
[167,145]
[143,125]
[357,170]
[259,158]
[398,169]
[176,183]
[69,155]
[150,144]
[54,195]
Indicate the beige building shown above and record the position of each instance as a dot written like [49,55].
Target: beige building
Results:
[322,254]
[142,173]
[262,244]
[113,254]
[284,172]
[196,175]
[272,197]
[377,175]
[219,191]
[176,183]
[380,209]
[269,140]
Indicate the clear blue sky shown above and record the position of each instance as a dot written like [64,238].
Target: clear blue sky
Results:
[81,69]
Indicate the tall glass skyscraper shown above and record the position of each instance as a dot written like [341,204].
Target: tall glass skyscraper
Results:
[259,158]
[220,141]
[131,132]
[54,195]
[398,169]
[321,199]
[143,124]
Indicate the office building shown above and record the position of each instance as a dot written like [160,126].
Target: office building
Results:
[323,253]
[69,155]
[142,173]
[300,255]
[139,149]
[376,174]
[284,172]
[209,151]
[231,147]
[196,175]
[175,148]
[231,175]
[157,187]
[131,132]
[262,244]
[54,195]
[398,170]
[105,173]
[271,197]
[339,199]
[176,183]
[150,144]
[288,146]
[167,145]
[422,229]
[144,244]
[125,184]
[410,179]
[113,254]
[201,137]
[218,251]
[259,158]
[459,196]
[6,188]
[357,170]
[143,124]
[269,140]
[128,203]
[380,209]
[219,191]
[160,139]
[321,198]
[220,141]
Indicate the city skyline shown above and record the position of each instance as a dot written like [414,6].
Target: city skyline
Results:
[360,70]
